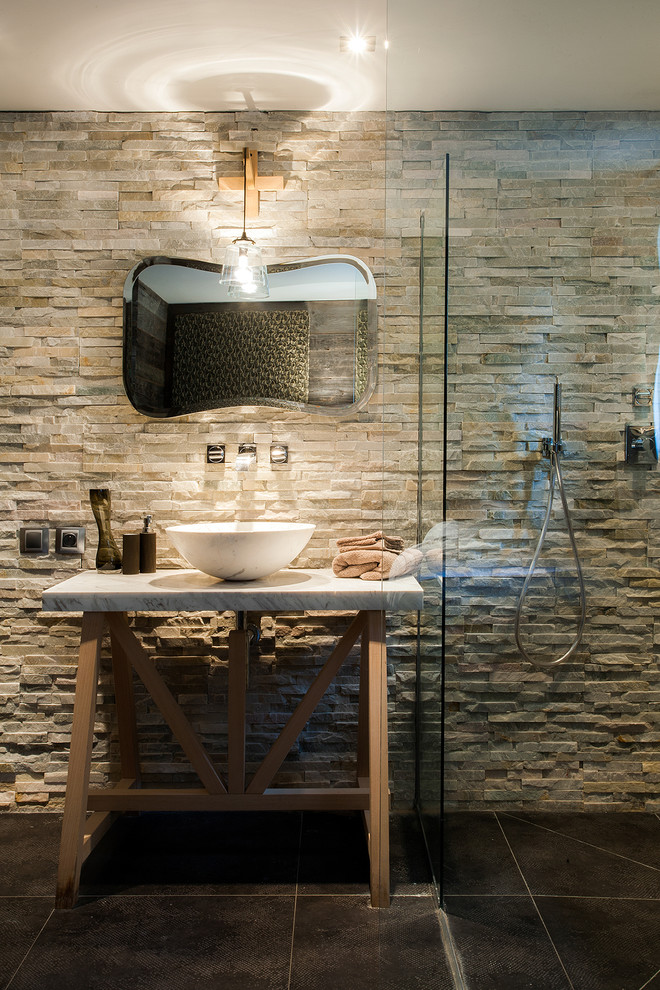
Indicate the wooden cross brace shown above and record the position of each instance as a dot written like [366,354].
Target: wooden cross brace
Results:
[254,183]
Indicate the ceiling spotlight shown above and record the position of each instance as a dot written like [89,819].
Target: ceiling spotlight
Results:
[357,44]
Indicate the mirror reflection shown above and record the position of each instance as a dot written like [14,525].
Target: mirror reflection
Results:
[188,347]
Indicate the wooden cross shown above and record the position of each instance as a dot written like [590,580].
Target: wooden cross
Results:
[254,184]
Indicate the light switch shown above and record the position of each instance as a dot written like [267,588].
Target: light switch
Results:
[34,539]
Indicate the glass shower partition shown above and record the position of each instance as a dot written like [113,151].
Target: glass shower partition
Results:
[436,536]
[552,276]
[415,446]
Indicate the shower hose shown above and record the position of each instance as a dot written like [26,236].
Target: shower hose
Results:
[553,448]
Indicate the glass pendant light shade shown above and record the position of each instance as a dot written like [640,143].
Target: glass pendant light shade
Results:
[244,272]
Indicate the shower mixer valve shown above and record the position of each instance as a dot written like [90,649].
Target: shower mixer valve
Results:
[640,446]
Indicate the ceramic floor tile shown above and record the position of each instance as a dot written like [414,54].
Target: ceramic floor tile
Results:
[21,920]
[411,953]
[555,864]
[29,849]
[342,942]
[433,834]
[334,858]
[409,867]
[501,944]
[630,834]
[162,853]
[605,943]
[477,858]
[151,943]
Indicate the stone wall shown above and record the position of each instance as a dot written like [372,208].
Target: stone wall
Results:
[84,197]
[553,271]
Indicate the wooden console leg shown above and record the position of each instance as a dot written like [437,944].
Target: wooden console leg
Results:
[80,757]
[125,707]
[363,711]
[379,821]
[238,658]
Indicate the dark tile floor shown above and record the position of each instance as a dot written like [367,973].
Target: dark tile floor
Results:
[547,901]
[220,902]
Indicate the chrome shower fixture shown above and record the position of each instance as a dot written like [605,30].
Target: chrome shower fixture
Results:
[553,444]
[552,447]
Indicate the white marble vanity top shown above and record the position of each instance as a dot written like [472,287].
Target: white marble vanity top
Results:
[294,589]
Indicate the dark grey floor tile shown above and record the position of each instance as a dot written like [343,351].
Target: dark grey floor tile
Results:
[334,857]
[605,944]
[149,943]
[335,943]
[433,834]
[630,834]
[412,955]
[29,849]
[342,942]
[21,920]
[237,852]
[409,866]
[476,857]
[552,863]
[502,945]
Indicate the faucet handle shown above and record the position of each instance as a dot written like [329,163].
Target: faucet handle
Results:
[279,453]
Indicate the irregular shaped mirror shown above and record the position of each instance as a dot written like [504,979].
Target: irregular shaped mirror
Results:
[188,347]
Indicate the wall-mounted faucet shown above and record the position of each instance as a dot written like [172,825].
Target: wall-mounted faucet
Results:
[247,456]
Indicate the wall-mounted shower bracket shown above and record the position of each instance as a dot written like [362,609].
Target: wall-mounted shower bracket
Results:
[552,448]
[548,445]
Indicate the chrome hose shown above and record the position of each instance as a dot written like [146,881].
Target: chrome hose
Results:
[554,449]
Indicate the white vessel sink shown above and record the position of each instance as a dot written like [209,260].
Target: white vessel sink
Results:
[240,551]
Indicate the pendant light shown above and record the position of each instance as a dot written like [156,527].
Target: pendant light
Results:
[244,272]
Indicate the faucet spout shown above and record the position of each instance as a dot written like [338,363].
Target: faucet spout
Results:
[247,456]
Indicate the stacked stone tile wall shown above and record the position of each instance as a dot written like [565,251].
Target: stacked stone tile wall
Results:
[84,197]
[553,271]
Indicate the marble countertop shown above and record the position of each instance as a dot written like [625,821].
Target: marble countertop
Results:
[295,589]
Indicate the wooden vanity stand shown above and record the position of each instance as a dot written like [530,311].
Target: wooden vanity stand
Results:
[104,600]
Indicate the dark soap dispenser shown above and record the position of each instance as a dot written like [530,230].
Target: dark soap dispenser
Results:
[147,548]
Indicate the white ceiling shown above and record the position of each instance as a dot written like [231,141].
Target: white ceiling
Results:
[164,55]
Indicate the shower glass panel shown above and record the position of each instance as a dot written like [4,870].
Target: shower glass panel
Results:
[435,533]
[413,380]
[552,276]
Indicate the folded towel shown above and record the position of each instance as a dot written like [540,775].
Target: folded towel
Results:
[407,562]
[376,540]
[376,545]
[365,563]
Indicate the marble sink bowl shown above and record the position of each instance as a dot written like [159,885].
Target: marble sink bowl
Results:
[240,551]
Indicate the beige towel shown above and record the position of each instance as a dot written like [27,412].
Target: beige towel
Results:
[407,562]
[376,540]
[368,564]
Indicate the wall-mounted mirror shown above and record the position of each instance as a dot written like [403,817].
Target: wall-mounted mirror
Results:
[311,345]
